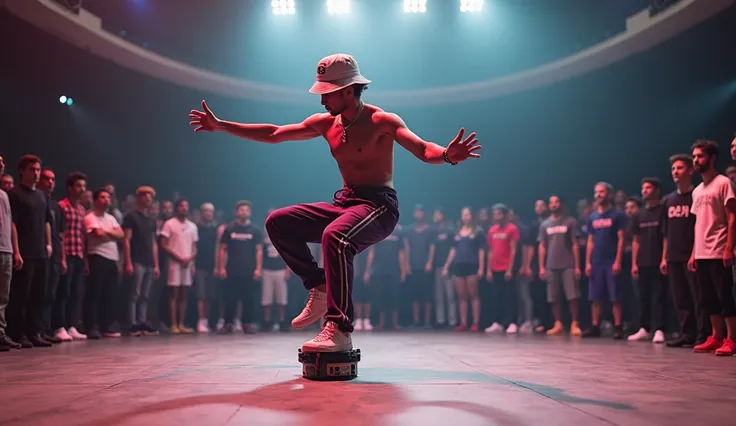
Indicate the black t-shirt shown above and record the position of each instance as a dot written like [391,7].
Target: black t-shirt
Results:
[206,246]
[678,224]
[241,243]
[628,237]
[58,225]
[442,244]
[419,243]
[143,228]
[467,247]
[31,213]
[647,226]
[386,255]
[525,239]
[532,240]
[163,258]
[583,239]
[271,258]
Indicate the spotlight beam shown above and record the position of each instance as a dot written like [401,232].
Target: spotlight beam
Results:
[338,7]
[283,7]
[471,6]
[415,6]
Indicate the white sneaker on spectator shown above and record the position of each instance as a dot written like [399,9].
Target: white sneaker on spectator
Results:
[640,335]
[526,328]
[358,325]
[658,337]
[495,328]
[63,335]
[512,329]
[76,335]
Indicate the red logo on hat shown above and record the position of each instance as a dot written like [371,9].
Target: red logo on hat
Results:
[321,69]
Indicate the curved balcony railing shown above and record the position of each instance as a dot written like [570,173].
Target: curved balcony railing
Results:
[643,31]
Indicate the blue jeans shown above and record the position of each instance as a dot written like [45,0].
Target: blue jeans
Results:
[140,290]
[67,307]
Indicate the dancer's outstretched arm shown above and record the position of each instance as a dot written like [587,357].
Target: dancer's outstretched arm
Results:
[456,151]
[267,133]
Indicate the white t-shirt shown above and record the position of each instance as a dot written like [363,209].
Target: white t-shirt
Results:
[6,220]
[181,236]
[96,245]
[711,217]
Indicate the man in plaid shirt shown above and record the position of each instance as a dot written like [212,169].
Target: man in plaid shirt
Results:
[68,303]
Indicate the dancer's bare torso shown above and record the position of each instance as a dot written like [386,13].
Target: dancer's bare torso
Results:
[366,156]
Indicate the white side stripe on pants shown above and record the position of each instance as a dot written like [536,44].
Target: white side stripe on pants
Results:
[344,279]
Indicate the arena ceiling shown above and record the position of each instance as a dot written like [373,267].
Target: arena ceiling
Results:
[233,37]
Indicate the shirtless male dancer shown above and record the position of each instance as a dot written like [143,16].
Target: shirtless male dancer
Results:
[363,213]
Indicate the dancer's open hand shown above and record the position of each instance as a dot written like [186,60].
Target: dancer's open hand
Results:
[203,120]
[461,149]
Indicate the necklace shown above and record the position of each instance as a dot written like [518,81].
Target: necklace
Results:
[345,127]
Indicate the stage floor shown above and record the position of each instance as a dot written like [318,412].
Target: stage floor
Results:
[404,379]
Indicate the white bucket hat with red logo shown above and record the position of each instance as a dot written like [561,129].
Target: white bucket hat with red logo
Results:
[337,72]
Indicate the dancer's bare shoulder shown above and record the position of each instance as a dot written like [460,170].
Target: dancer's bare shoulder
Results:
[319,122]
[389,122]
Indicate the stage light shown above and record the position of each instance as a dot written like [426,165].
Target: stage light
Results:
[62,99]
[283,7]
[471,5]
[415,6]
[69,101]
[338,7]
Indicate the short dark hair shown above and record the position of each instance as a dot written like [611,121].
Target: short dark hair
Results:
[730,169]
[687,159]
[99,192]
[242,203]
[74,177]
[500,206]
[27,160]
[652,181]
[636,200]
[358,89]
[707,146]
[559,197]
[180,201]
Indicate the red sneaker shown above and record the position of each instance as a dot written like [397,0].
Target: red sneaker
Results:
[710,345]
[461,327]
[728,348]
[474,328]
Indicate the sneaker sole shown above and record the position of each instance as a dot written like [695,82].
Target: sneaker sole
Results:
[308,349]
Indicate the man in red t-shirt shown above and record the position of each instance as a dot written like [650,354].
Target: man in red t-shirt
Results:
[503,238]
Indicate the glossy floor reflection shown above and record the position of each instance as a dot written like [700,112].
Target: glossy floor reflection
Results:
[404,379]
